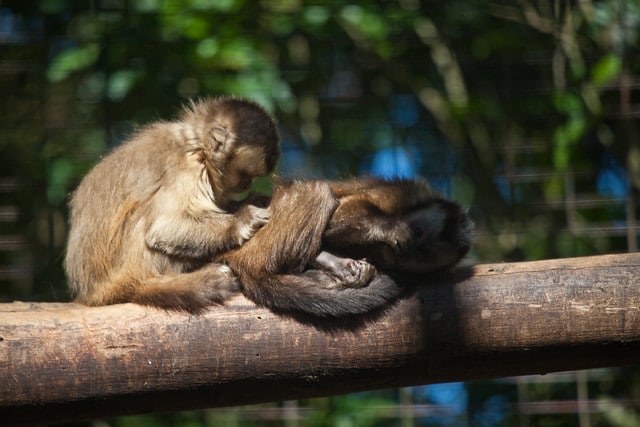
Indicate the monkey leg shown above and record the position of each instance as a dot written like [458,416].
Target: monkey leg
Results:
[191,292]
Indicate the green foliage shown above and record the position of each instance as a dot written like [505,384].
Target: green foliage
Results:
[356,410]
[71,60]
[567,135]
[606,70]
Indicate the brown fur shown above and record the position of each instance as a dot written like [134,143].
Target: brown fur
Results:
[398,224]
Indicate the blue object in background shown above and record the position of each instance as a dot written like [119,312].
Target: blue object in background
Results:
[393,162]
[405,110]
[613,179]
[453,398]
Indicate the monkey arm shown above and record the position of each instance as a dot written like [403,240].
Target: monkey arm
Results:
[358,221]
[192,226]
[186,236]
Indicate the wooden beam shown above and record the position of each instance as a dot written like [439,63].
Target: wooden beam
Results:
[64,361]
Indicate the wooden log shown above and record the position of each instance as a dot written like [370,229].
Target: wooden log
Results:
[64,361]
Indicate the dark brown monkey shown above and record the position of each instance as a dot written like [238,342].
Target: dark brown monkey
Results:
[146,221]
[397,225]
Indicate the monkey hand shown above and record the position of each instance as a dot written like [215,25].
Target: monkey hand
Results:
[356,273]
[251,219]
[347,272]
[395,234]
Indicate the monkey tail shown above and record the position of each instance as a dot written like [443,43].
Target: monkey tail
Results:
[311,293]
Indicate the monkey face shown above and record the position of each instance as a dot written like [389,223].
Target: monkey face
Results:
[247,163]
[442,234]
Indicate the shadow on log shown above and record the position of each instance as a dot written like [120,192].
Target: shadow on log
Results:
[65,361]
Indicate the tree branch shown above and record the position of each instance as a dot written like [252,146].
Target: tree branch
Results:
[65,361]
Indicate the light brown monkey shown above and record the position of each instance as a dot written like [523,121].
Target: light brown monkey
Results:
[146,221]
[397,225]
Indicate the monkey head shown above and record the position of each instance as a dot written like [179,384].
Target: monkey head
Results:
[442,234]
[236,140]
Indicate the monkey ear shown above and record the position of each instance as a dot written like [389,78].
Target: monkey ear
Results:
[221,137]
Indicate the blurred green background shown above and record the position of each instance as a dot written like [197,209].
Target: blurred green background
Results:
[526,111]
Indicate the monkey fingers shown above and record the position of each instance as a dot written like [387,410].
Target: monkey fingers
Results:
[251,219]
[397,234]
[361,272]
[348,272]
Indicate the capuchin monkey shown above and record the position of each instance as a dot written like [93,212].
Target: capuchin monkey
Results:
[155,223]
[396,225]
[146,221]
